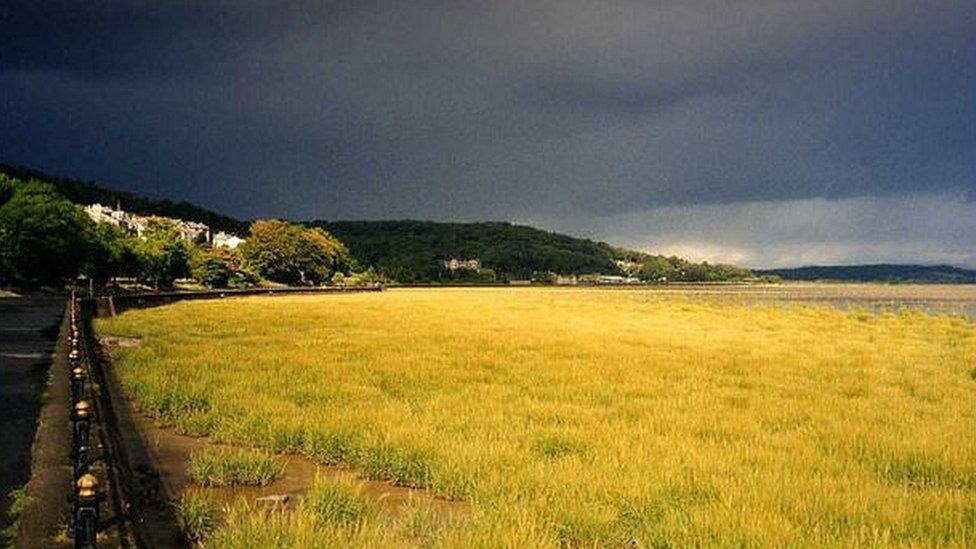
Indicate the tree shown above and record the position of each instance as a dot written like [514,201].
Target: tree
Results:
[44,239]
[324,255]
[209,267]
[111,253]
[220,268]
[290,254]
[163,253]
[7,185]
[657,267]
[273,249]
[362,278]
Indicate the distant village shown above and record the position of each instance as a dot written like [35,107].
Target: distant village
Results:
[135,225]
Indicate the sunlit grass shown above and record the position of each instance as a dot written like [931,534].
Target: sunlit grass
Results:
[586,417]
[337,503]
[332,513]
[197,514]
[219,466]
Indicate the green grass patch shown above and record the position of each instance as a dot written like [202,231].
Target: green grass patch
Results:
[556,446]
[233,467]
[19,500]
[337,502]
[198,515]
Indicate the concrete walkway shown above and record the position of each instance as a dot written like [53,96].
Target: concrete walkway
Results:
[28,331]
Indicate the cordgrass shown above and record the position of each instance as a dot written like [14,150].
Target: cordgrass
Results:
[219,466]
[584,417]
[197,514]
[337,503]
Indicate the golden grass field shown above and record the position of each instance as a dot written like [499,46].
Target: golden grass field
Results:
[579,417]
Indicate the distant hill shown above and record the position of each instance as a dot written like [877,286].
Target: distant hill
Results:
[415,251]
[412,251]
[936,274]
[86,192]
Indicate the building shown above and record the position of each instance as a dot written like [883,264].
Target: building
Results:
[458,264]
[193,231]
[567,280]
[608,280]
[105,214]
[626,265]
[226,240]
[137,224]
[134,224]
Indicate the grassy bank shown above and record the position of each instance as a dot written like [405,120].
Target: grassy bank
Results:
[582,417]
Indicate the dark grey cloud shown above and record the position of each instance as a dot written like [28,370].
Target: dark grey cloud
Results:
[545,110]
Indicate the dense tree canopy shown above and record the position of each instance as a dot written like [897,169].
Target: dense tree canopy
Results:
[164,253]
[220,268]
[415,251]
[44,239]
[112,253]
[6,188]
[659,268]
[292,254]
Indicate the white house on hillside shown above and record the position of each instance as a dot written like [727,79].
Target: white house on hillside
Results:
[105,214]
[136,225]
[225,240]
[457,264]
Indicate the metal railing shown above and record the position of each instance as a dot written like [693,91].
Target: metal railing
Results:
[86,496]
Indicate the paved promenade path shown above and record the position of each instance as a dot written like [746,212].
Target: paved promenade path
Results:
[28,330]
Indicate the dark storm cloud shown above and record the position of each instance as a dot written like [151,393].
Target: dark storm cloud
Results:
[560,110]
[131,39]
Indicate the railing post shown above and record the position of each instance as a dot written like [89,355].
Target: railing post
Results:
[77,384]
[81,432]
[84,520]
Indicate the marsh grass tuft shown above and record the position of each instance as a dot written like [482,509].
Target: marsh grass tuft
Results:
[404,466]
[220,466]
[556,446]
[197,514]
[337,502]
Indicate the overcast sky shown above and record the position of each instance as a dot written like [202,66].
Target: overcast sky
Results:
[767,133]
